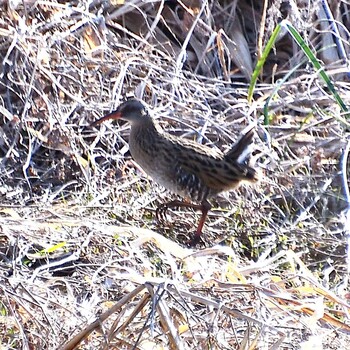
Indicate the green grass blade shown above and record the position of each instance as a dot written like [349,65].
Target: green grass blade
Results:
[309,54]
[261,61]
[315,62]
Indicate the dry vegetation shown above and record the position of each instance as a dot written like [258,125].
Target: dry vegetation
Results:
[83,262]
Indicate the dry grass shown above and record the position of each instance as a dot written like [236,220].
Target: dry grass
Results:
[84,263]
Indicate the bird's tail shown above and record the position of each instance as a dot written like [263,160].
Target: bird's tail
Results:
[240,154]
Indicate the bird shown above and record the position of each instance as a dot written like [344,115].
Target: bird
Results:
[192,170]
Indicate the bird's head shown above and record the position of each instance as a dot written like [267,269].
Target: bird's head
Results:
[132,110]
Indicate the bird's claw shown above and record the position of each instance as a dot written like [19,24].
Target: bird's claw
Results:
[191,243]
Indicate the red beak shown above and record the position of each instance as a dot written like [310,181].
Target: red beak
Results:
[113,115]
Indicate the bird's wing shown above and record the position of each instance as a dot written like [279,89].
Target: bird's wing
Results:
[207,176]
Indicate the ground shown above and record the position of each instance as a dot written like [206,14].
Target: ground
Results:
[83,261]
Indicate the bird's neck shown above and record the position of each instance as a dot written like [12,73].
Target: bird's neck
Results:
[143,137]
[144,128]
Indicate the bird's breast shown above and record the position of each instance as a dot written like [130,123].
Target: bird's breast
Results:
[150,151]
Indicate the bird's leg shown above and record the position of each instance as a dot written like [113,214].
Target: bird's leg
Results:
[204,207]
[162,209]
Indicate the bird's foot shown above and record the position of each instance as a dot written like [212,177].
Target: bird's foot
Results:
[194,241]
[161,211]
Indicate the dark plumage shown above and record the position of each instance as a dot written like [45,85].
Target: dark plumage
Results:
[185,167]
